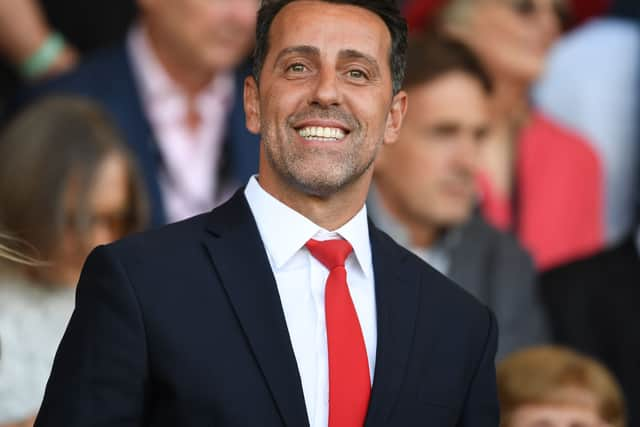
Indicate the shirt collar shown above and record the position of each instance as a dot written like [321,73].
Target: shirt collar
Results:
[272,217]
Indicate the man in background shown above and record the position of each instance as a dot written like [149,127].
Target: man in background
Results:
[424,194]
[174,87]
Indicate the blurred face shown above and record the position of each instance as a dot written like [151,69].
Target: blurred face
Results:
[207,34]
[324,104]
[513,37]
[428,176]
[109,207]
[556,416]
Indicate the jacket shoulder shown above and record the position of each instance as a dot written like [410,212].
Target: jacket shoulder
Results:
[437,285]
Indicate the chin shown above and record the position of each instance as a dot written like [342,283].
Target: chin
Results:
[454,218]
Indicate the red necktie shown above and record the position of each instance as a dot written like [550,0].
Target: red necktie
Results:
[349,384]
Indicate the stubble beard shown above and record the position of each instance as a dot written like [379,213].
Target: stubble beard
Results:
[316,172]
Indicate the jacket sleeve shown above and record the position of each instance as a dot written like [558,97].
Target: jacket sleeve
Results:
[99,375]
[481,408]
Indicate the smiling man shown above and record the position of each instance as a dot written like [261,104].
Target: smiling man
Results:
[285,306]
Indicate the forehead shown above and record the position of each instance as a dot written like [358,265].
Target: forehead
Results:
[454,94]
[330,27]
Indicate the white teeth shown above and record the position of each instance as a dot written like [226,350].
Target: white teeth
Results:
[321,133]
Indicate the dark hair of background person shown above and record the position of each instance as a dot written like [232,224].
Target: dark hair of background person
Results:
[431,55]
[387,10]
[627,9]
[52,144]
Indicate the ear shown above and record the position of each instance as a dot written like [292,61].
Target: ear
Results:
[395,117]
[251,98]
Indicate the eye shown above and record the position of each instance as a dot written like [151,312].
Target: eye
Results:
[297,67]
[357,74]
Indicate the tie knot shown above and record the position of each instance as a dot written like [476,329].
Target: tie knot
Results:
[331,253]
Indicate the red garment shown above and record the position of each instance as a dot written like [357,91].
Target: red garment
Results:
[560,196]
[419,13]
[583,10]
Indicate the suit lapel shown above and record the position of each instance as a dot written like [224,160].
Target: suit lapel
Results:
[397,297]
[241,262]
[133,121]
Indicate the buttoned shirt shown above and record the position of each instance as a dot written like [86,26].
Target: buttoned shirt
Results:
[189,171]
[301,279]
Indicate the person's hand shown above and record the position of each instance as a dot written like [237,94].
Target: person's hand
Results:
[24,30]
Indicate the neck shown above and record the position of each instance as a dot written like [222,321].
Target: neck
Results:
[329,212]
[190,77]
[510,102]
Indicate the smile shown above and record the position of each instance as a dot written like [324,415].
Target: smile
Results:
[317,133]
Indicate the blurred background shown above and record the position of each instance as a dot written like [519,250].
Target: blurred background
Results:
[517,172]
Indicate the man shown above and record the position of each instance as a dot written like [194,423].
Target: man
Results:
[174,87]
[424,194]
[224,320]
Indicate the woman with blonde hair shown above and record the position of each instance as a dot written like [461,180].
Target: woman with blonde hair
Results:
[67,184]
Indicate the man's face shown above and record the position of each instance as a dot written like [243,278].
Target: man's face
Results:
[428,176]
[324,105]
[211,35]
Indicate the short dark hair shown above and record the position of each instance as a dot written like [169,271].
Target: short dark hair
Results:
[387,10]
[431,55]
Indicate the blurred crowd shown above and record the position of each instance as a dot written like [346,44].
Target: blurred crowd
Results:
[517,172]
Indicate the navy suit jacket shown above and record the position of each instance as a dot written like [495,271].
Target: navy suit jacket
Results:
[107,78]
[183,326]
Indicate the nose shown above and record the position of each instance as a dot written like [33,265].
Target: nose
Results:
[326,91]
[467,155]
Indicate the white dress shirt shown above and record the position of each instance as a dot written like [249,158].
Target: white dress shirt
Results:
[190,156]
[301,281]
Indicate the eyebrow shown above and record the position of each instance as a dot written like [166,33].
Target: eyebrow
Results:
[300,50]
[345,54]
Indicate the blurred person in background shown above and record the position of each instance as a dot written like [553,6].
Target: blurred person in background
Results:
[174,87]
[538,179]
[589,84]
[42,38]
[424,193]
[593,307]
[555,387]
[67,184]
